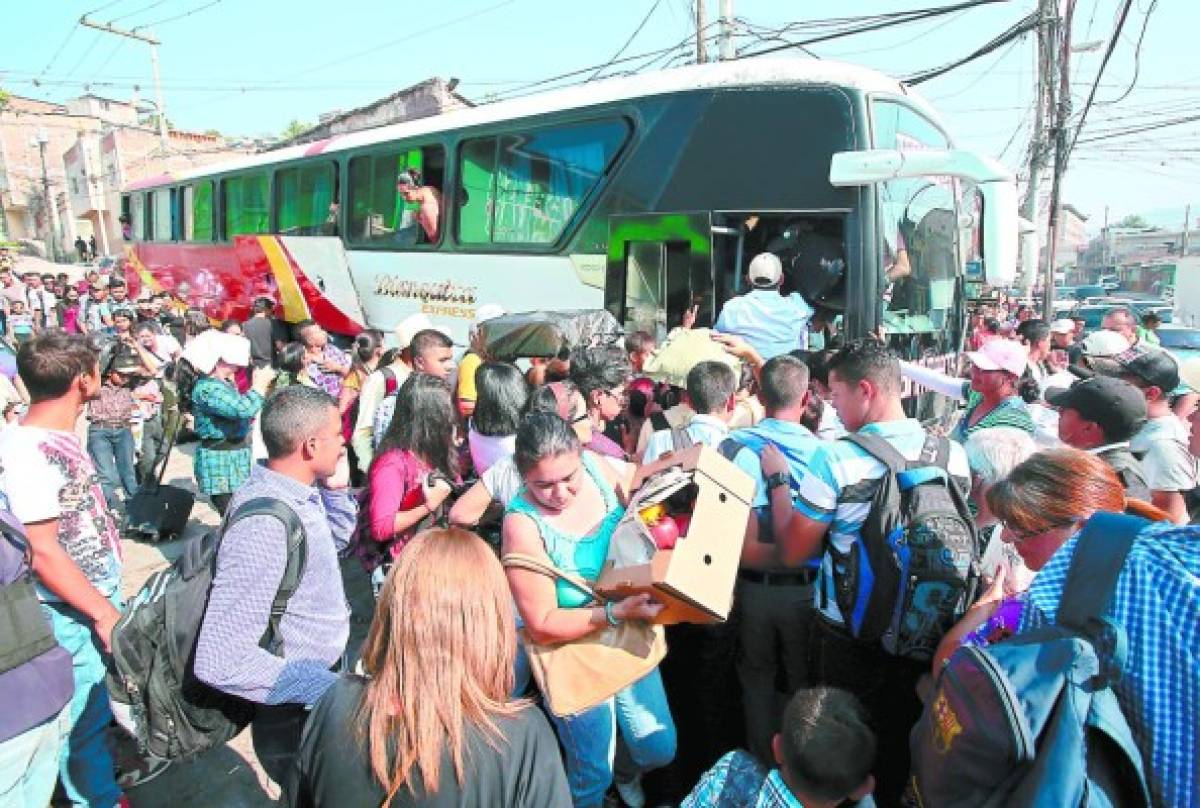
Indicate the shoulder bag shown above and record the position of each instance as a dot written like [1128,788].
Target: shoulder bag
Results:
[577,675]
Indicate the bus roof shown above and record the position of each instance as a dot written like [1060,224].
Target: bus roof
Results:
[740,73]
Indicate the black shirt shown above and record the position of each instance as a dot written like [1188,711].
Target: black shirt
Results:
[332,768]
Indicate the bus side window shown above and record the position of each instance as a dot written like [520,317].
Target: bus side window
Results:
[306,199]
[396,199]
[161,218]
[126,217]
[198,211]
[247,206]
[526,188]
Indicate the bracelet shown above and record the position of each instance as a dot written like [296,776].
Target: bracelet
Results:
[609,616]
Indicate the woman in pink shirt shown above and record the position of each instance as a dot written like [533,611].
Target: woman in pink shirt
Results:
[414,470]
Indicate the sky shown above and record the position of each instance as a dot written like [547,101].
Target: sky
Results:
[250,66]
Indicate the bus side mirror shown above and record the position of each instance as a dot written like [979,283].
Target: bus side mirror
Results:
[1001,228]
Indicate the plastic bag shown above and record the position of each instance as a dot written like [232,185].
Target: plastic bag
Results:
[547,333]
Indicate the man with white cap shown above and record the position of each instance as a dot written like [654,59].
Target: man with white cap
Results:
[381,383]
[465,394]
[223,415]
[1062,334]
[772,323]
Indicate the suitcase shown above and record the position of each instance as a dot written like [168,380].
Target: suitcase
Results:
[157,511]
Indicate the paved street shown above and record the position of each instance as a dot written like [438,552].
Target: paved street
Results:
[229,777]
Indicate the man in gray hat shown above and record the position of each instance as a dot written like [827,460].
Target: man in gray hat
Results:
[1100,416]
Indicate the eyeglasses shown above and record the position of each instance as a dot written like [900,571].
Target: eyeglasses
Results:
[1023,535]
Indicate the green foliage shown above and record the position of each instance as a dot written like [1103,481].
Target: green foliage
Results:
[294,129]
[1133,220]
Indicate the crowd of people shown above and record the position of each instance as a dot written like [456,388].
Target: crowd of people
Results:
[482,498]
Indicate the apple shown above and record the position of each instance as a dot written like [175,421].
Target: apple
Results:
[683,521]
[665,533]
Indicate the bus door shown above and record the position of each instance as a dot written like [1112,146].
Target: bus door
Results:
[660,265]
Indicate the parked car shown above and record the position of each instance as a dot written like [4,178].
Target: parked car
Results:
[1181,341]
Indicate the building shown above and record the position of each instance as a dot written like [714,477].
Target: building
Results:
[1072,236]
[430,97]
[34,206]
[80,154]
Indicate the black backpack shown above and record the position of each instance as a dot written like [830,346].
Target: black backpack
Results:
[155,694]
[915,568]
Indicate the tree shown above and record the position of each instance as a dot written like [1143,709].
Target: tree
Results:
[295,129]
[1133,220]
[3,98]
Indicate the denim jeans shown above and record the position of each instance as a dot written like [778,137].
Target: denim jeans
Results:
[589,738]
[86,768]
[29,762]
[112,452]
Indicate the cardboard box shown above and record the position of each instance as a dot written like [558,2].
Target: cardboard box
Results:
[695,579]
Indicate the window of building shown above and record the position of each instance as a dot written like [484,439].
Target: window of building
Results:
[247,204]
[526,188]
[198,211]
[305,200]
[385,213]
[160,220]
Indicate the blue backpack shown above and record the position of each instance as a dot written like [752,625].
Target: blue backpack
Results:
[1032,721]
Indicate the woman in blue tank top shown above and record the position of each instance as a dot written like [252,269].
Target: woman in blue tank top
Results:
[565,513]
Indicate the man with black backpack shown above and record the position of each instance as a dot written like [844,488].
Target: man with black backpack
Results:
[884,509]
[284,671]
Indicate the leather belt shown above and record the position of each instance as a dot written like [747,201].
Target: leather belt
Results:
[109,424]
[802,577]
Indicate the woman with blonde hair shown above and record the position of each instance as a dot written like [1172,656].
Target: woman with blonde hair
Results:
[432,723]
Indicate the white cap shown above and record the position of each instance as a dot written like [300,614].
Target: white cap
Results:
[488,311]
[1062,326]
[409,327]
[212,346]
[1104,343]
[1001,354]
[766,270]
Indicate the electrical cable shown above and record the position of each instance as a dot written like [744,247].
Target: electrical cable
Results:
[126,16]
[1137,57]
[1112,44]
[196,10]
[1014,33]
[628,42]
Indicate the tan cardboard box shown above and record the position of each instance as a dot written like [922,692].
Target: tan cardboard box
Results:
[694,580]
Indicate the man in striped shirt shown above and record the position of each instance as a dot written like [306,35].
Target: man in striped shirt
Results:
[832,502]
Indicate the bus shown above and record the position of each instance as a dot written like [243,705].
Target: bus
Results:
[645,195]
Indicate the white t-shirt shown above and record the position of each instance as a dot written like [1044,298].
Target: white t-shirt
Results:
[46,474]
[486,450]
[1162,446]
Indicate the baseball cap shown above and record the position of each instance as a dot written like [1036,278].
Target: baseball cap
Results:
[1062,326]
[1104,343]
[1116,406]
[488,311]
[1154,366]
[1001,354]
[766,269]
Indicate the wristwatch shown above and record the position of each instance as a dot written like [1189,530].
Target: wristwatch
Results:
[777,479]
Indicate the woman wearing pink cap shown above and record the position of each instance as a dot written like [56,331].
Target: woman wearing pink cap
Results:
[991,393]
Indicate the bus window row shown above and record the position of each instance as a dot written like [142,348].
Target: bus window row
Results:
[515,189]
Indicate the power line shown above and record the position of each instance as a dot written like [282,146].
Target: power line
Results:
[196,10]
[126,16]
[58,51]
[1137,56]
[628,42]
[86,53]
[1112,44]
[1016,32]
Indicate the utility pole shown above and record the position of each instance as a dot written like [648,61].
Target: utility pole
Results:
[701,24]
[1038,148]
[153,43]
[1187,218]
[726,30]
[43,140]
[1060,152]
